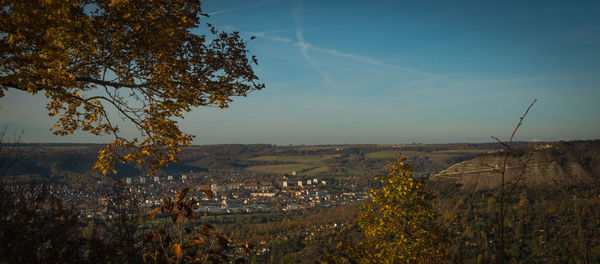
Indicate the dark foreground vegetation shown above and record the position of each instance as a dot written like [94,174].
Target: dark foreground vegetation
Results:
[551,224]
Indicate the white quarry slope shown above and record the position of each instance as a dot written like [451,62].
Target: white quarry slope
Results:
[537,169]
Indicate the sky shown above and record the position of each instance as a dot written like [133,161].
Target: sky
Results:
[393,72]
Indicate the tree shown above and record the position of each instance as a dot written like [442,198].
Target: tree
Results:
[37,227]
[398,221]
[125,216]
[140,59]
[8,150]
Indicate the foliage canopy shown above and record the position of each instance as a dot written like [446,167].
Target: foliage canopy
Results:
[140,59]
[399,223]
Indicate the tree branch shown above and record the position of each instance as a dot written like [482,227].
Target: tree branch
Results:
[108,83]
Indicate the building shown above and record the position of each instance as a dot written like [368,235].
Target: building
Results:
[263,194]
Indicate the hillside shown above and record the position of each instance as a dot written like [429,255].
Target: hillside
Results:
[539,166]
[71,163]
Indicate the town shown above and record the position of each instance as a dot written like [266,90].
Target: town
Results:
[232,192]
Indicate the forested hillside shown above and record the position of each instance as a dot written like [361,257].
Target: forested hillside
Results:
[552,205]
[71,163]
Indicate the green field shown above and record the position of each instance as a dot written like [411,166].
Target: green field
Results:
[353,171]
[316,171]
[390,154]
[312,165]
[302,164]
[282,168]
[292,159]
[463,151]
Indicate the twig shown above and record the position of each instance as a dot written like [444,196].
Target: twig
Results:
[499,141]
[503,174]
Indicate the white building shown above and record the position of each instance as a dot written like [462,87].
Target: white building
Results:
[263,194]
[285,184]
[300,183]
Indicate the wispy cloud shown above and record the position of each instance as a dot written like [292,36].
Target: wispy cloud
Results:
[241,7]
[302,44]
[470,85]
[374,62]
[271,38]
[305,47]
[533,79]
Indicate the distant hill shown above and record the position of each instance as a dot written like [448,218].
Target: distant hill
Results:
[353,164]
[549,165]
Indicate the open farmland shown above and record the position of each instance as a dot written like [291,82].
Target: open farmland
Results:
[302,164]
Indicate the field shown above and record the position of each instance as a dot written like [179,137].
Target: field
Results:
[391,154]
[291,159]
[303,164]
[316,164]
[316,171]
[281,168]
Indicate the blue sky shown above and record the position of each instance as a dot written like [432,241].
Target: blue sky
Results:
[395,72]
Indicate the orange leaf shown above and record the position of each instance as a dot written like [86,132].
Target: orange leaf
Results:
[196,242]
[177,250]
[208,191]
[153,214]
[182,194]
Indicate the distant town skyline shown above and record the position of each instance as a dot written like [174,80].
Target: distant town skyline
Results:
[392,72]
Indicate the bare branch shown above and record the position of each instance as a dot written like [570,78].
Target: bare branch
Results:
[499,141]
[8,156]
[107,83]
[503,174]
